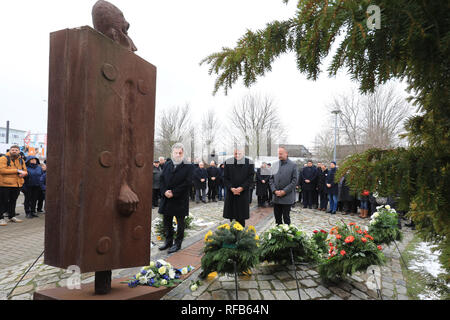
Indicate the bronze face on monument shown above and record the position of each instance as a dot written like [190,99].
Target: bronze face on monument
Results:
[109,20]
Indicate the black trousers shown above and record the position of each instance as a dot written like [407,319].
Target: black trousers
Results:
[212,190]
[323,200]
[8,198]
[40,201]
[282,213]
[155,197]
[168,228]
[308,198]
[31,197]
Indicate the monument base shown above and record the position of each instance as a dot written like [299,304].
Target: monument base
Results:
[119,291]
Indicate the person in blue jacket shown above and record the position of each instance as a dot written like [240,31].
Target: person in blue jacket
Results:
[332,188]
[32,186]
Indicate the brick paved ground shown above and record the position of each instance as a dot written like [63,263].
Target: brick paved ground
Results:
[22,244]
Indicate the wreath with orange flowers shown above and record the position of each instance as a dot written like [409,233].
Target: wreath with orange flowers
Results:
[351,249]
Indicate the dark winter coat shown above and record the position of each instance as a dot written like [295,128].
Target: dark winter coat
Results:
[334,190]
[43,181]
[197,176]
[34,173]
[238,173]
[309,173]
[178,180]
[261,188]
[344,191]
[321,180]
[156,177]
[213,172]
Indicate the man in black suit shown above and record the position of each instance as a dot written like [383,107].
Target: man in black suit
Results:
[175,183]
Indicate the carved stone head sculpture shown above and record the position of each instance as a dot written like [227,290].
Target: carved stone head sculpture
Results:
[109,20]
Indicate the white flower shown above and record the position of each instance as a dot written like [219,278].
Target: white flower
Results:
[194,287]
[162,270]
[152,264]
[143,280]
[168,265]
[163,282]
[375,215]
[387,207]
[138,275]
[366,228]
[162,262]
[270,236]
[171,274]
[184,270]
[379,207]
[150,274]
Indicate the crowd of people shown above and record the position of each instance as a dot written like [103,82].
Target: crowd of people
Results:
[19,173]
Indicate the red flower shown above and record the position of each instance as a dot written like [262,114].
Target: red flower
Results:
[368,236]
[359,231]
[349,239]
[365,232]
[331,244]
[323,231]
[343,252]
[379,248]
[351,224]
[315,231]
[356,227]
[363,239]
[338,236]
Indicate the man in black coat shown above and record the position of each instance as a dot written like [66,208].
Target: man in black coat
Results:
[175,182]
[262,184]
[238,177]
[309,176]
[222,190]
[200,175]
[321,188]
[213,179]
[156,183]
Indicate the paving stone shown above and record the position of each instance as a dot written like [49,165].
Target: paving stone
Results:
[401,289]
[229,285]
[359,294]
[341,293]
[313,293]
[188,297]
[387,293]
[360,286]
[45,287]
[293,294]
[280,295]
[278,285]
[200,290]
[323,291]
[220,295]
[265,277]
[254,294]
[263,285]
[205,296]
[267,295]
[335,297]
[345,286]
[242,295]
[402,297]
[226,278]
[26,296]
[283,275]
[291,284]
[312,272]
[216,285]
[248,285]
[401,282]
[356,278]
[308,283]
[387,285]
[352,297]
[23,289]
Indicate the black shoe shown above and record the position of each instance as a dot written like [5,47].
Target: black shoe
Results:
[197,202]
[328,211]
[203,201]
[304,207]
[34,215]
[166,245]
[334,212]
[29,216]
[175,248]
[40,211]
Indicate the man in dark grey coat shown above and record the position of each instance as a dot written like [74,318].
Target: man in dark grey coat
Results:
[282,184]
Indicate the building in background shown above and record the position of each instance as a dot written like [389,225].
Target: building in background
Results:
[29,143]
[15,136]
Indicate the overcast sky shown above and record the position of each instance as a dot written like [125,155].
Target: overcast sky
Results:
[173,35]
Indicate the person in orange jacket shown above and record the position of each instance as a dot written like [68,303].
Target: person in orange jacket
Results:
[12,172]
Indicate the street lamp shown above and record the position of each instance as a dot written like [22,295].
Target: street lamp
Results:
[336,112]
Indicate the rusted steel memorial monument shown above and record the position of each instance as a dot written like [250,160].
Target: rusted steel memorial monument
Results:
[100,137]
